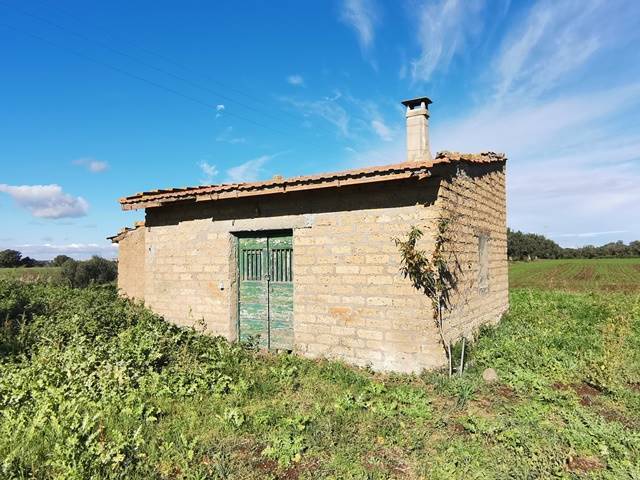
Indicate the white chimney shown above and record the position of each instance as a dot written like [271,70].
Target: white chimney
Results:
[418,129]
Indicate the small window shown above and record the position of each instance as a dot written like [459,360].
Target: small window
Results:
[483,263]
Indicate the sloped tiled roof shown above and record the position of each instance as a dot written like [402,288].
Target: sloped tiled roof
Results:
[156,198]
[124,231]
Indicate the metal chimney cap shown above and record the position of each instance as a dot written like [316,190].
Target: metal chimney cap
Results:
[416,102]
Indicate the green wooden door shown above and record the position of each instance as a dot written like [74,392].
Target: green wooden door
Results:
[265,303]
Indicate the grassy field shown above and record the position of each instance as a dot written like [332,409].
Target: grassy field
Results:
[602,274]
[92,386]
[30,274]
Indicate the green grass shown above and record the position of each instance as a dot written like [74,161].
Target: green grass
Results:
[30,274]
[92,386]
[602,274]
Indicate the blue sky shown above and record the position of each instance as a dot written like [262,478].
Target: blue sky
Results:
[105,99]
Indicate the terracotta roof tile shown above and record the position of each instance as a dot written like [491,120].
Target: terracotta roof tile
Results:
[124,231]
[156,198]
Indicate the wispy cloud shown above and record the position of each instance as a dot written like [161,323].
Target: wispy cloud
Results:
[532,126]
[354,118]
[91,164]
[209,171]
[46,201]
[251,170]
[362,16]
[381,154]
[369,114]
[219,110]
[382,130]
[228,136]
[444,28]
[589,234]
[326,108]
[567,166]
[554,39]
[573,160]
[555,197]
[295,80]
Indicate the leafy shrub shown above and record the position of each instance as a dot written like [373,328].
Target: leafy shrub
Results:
[97,271]
[59,260]
[86,377]
[287,442]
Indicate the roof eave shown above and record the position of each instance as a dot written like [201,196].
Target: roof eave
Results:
[131,204]
[159,198]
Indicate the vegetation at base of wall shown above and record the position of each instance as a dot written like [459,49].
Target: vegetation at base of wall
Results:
[586,275]
[94,386]
[529,246]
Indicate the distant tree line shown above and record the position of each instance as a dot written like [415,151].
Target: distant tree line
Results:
[529,246]
[13,258]
[77,273]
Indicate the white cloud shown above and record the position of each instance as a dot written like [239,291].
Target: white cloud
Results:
[91,164]
[227,136]
[444,27]
[46,201]
[382,130]
[570,167]
[553,197]
[554,39]
[47,251]
[361,15]
[382,154]
[328,109]
[219,110]
[296,80]
[209,171]
[251,170]
[356,119]
[589,234]
[530,127]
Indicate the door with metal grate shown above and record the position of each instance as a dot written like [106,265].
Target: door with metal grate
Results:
[265,301]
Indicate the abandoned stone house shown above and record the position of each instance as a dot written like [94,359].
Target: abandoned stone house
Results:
[309,263]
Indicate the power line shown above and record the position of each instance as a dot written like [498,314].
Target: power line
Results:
[161,56]
[154,67]
[140,78]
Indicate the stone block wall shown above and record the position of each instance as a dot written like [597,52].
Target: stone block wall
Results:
[188,271]
[475,198]
[351,302]
[131,264]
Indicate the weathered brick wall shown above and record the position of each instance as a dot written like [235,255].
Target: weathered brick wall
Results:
[131,264]
[187,274]
[350,300]
[475,199]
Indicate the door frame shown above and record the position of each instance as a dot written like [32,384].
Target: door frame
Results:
[235,297]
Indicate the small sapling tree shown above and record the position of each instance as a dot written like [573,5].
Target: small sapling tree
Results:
[433,274]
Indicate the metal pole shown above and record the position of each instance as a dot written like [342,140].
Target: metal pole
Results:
[462,356]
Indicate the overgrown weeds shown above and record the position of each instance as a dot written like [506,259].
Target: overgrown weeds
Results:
[93,386]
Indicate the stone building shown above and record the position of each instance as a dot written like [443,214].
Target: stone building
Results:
[309,263]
